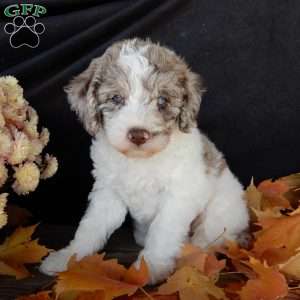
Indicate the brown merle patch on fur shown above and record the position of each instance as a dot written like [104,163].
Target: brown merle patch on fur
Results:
[88,92]
[83,89]
[166,85]
[178,76]
[215,162]
[195,224]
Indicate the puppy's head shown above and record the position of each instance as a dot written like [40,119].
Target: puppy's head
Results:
[138,93]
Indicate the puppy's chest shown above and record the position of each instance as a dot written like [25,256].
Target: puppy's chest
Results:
[142,190]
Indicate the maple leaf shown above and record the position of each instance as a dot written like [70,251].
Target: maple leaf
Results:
[274,193]
[253,196]
[153,296]
[292,266]
[45,295]
[272,212]
[95,295]
[276,249]
[278,239]
[233,288]
[238,257]
[292,180]
[191,284]
[206,263]
[295,212]
[269,285]
[232,250]
[267,200]
[293,195]
[271,196]
[17,250]
[93,273]
[137,277]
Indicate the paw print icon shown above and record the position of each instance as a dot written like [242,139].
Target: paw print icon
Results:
[24,31]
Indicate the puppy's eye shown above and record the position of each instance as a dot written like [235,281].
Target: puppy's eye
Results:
[117,99]
[162,102]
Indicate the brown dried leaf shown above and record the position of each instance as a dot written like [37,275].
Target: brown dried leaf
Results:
[18,250]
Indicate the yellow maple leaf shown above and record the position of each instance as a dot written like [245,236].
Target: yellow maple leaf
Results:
[191,284]
[272,212]
[292,266]
[253,196]
[204,262]
[17,250]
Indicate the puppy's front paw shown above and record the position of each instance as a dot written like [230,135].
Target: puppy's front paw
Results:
[56,262]
[159,269]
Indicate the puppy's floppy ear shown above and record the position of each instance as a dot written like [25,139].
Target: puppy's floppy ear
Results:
[194,90]
[81,93]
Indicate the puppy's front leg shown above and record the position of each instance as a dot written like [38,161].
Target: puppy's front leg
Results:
[104,215]
[166,235]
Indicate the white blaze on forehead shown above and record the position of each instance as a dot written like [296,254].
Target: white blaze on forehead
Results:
[136,66]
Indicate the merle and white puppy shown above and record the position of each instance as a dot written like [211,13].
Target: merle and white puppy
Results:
[140,101]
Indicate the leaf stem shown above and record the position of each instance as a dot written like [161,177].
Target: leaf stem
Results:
[146,293]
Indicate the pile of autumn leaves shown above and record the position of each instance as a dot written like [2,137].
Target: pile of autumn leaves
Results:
[268,269]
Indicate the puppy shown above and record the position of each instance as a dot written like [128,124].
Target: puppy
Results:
[139,101]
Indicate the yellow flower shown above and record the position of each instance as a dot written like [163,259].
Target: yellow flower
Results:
[20,149]
[3,215]
[50,168]
[27,178]
[3,174]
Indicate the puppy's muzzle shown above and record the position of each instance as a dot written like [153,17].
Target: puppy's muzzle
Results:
[138,136]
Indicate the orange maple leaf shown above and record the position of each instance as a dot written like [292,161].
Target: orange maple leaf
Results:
[191,284]
[238,257]
[267,199]
[277,244]
[17,250]
[232,250]
[45,295]
[93,273]
[95,295]
[278,240]
[137,277]
[153,296]
[269,284]
[273,193]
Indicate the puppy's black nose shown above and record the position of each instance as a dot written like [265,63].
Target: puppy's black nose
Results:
[138,136]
